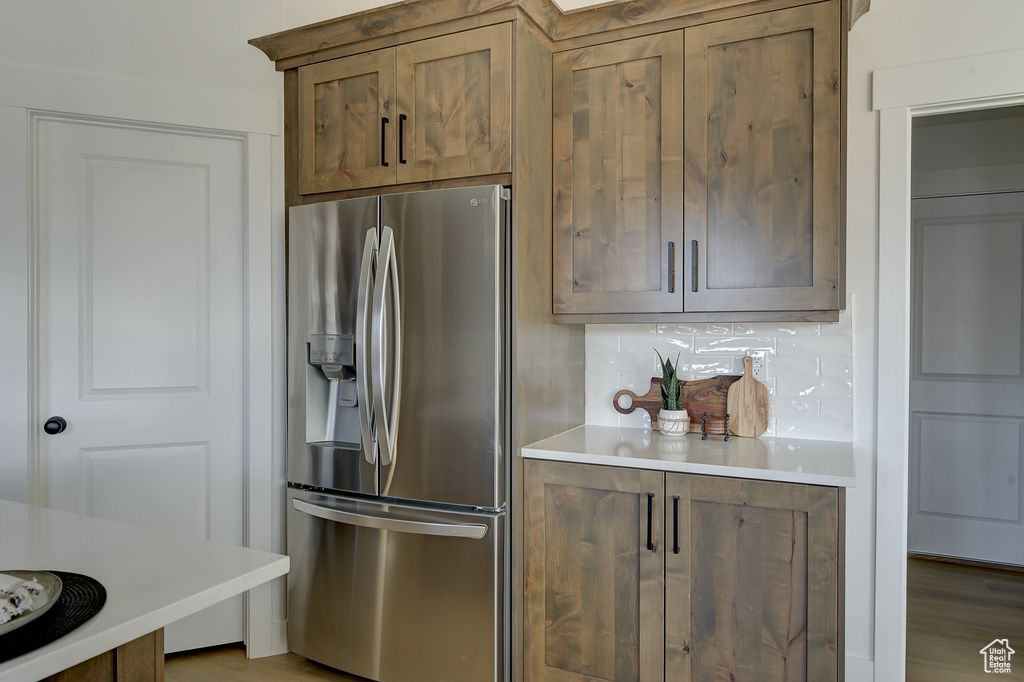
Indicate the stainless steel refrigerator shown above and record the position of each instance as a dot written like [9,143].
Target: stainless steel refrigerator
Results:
[398,446]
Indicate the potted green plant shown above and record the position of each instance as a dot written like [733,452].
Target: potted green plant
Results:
[673,420]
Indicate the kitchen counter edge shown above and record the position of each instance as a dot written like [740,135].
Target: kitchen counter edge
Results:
[788,460]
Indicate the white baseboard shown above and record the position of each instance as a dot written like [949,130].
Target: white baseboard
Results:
[276,644]
[859,669]
[280,642]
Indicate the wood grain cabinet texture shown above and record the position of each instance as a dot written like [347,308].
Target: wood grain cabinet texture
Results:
[703,178]
[618,154]
[140,660]
[640,575]
[427,110]
[763,131]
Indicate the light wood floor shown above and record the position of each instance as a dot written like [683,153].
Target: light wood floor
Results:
[229,664]
[952,612]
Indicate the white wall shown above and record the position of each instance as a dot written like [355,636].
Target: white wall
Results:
[186,43]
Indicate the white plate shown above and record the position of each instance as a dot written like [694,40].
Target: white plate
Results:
[50,583]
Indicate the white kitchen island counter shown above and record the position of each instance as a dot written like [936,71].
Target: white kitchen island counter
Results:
[152,578]
[789,460]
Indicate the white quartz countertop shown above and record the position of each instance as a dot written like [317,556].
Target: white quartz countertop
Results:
[152,578]
[790,460]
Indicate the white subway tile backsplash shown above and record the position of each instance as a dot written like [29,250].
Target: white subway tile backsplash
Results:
[779,329]
[675,339]
[603,360]
[704,366]
[794,407]
[602,343]
[635,338]
[601,415]
[792,366]
[838,409]
[668,329]
[599,379]
[736,345]
[638,382]
[816,345]
[837,368]
[817,388]
[808,369]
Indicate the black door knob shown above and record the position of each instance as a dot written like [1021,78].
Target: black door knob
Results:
[55,425]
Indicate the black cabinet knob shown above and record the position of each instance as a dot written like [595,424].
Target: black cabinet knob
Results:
[55,425]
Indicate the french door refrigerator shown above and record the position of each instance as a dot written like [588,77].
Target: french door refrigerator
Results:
[398,441]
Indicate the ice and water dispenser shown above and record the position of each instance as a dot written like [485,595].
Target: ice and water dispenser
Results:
[334,356]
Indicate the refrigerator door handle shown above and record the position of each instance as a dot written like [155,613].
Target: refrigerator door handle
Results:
[363,310]
[387,367]
[474,531]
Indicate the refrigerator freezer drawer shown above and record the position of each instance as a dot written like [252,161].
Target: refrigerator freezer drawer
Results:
[396,593]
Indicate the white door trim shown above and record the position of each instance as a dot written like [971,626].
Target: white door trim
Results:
[899,94]
[25,91]
[15,311]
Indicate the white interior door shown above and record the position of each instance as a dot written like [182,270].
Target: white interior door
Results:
[140,316]
[967,378]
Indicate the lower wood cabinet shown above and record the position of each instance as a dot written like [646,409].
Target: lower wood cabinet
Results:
[633,574]
[140,660]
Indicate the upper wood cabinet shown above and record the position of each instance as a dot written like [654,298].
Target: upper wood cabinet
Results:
[701,180]
[763,128]
[428,110]
[344,120]
[618,147]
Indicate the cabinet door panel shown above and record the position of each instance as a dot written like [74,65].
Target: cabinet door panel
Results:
[593,590]
[618,176]
[761,560]
[762,173]
[456,92]
[344,142]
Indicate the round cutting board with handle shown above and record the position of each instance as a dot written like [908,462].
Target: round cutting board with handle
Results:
[747,403]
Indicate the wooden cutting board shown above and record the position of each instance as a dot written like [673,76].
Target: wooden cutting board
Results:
[748,403]
[699,396]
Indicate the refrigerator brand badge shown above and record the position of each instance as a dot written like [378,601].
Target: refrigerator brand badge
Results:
[478,202]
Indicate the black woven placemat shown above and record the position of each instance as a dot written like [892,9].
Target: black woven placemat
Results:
[81,598]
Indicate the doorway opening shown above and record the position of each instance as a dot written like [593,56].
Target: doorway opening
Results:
[965,495]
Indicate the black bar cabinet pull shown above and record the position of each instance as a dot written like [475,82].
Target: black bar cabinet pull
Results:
[671,267]
[401,138]
[383,145]
[675,524]
[650,521]
[693,266]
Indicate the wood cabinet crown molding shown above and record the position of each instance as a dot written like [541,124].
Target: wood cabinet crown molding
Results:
[305,44]
[855,11]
